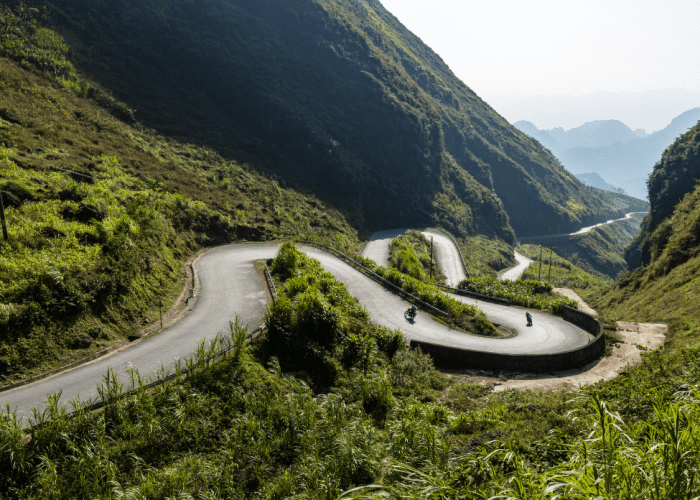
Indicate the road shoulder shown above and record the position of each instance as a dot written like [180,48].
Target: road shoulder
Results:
[179,309]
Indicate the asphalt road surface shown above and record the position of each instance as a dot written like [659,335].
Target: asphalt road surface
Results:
[583,230]
[514,273]
[446,254]
[230,284]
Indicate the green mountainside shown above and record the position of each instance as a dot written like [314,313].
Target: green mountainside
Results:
[333,96]
[599,251]
[673,178]
[102,215]
[665,287]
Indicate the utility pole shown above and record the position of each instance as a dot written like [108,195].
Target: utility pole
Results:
[431,258]
[550,266]
[539,273]
[2,215]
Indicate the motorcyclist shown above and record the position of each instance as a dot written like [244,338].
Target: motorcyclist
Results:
[529,317]
[413,311]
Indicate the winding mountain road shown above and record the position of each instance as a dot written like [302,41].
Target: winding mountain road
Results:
[230,284]
[514,273]
[583,230]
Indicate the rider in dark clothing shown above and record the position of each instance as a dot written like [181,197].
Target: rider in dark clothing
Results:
[529,318]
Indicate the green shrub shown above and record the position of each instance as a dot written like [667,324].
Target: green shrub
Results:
[23,40]
[413,371]
[427,293]
[532,294]
[390,341]
[410,254]
[377,399]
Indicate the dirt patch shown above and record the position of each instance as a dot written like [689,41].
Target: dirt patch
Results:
[626,353]
[570,294]
[645,335]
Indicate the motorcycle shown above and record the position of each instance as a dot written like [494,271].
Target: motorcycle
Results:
[411,313]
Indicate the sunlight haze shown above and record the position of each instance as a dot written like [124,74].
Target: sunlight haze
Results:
[563,48]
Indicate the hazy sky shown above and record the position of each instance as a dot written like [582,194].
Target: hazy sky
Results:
[541,47]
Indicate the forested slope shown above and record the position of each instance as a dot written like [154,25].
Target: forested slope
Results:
[665,287]
[674,176]
[335,96]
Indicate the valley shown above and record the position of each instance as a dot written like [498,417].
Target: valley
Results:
[202,293]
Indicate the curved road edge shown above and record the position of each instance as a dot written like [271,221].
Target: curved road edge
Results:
[172,315]
[229,282]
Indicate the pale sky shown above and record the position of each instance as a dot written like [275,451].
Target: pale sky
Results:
[560,47]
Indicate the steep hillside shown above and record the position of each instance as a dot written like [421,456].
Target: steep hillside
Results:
[335,96]
[668,248]
[673,178]
[101,215]
[666,290]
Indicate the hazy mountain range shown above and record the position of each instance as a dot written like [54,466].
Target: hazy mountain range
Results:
[619,155]
[650,110]
[593,179]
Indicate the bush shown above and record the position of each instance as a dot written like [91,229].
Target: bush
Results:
[377,400]
[523,293]
[410,254]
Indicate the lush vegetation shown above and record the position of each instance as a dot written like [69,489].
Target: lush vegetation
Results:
[333,95]
[463,316]
[558,271]
[673,178]
[411,254]
[103,214]
[238,428]
[666,289]
[600,251]
[528,293]
[485,256]
[245,426]
[89,256]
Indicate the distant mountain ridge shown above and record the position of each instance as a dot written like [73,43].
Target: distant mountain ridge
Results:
[619,155]
[593,179]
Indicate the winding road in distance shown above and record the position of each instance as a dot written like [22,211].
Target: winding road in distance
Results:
[516,272]
[230,285]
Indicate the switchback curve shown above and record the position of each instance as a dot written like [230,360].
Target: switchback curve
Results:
[229,283]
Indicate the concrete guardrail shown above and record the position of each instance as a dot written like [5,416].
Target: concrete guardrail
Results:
[376,277]
[475,295]
[452,357]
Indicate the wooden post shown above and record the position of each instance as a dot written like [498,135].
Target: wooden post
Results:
[550,266]
[160,307]
[2,215]
[539,273]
